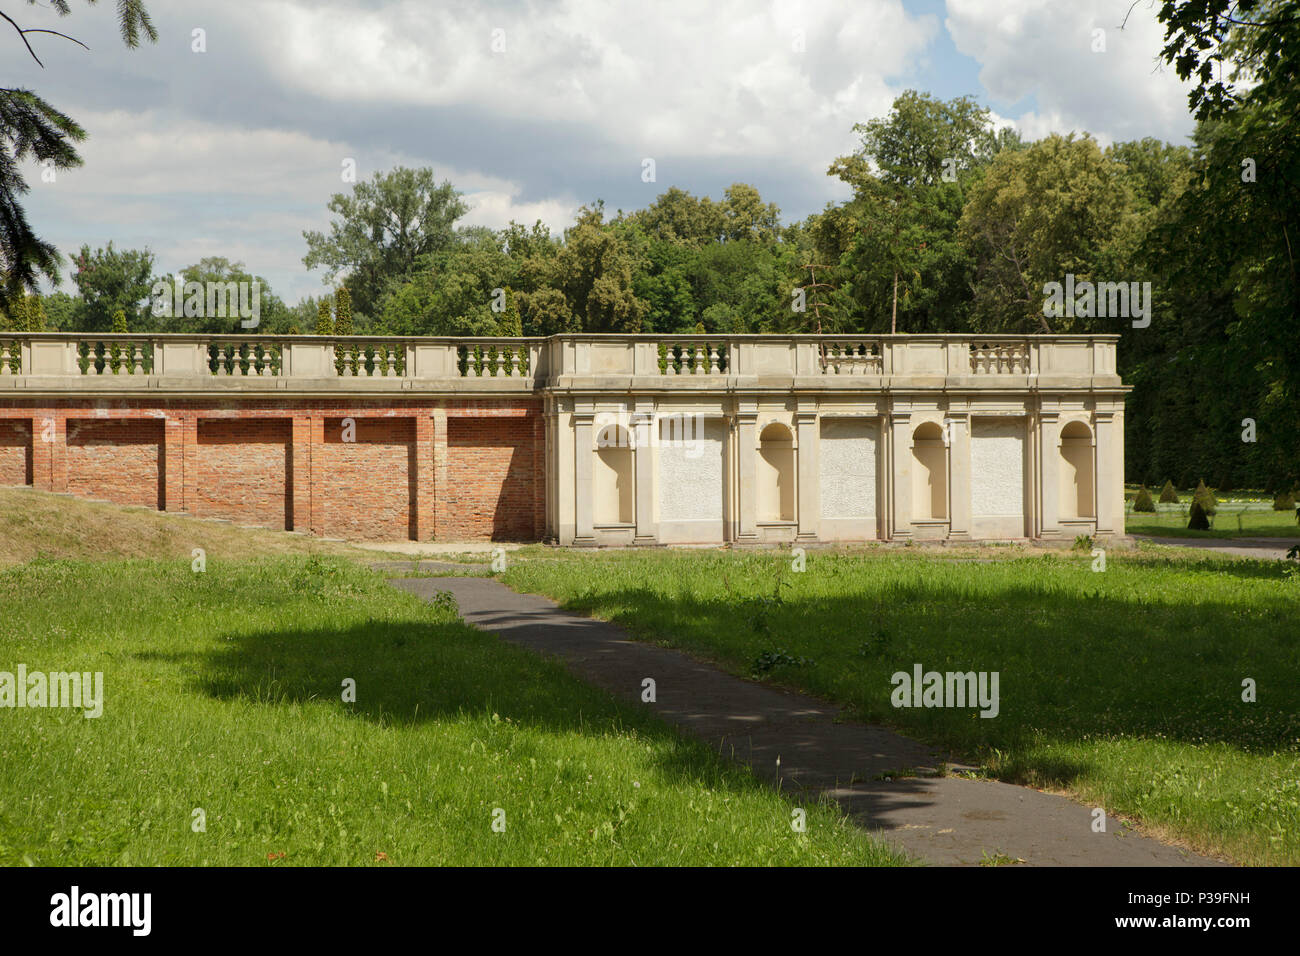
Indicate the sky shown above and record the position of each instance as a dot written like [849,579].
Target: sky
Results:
[532,108]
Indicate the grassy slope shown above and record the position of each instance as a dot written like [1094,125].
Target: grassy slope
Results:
[1122,687]
[222,692]
[35,524]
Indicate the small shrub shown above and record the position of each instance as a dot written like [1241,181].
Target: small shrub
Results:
[1205,496]
[1168,494]
[779,657]
[1083,542]
[446,601]
[1284,501]
[1142,502]
[1197,520]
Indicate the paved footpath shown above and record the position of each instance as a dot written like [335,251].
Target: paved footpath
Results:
[801,744]
[1259,548]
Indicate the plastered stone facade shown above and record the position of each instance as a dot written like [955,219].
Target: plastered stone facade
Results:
[582,439]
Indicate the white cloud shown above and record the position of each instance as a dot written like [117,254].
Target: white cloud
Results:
[1044,49]
[675,77]
[188,188]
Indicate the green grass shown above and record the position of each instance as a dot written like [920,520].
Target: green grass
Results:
[1122,688]
[223,692]
[1231,521]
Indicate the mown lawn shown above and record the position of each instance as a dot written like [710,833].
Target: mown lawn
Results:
[1235,518]
[223,693]
[1123,687]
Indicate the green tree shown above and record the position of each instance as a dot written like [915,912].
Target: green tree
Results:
[383,229]
[1037,214]
[32,128]
[895,244]
[1142,501]
[109,280]
[1168,494]
[273,314]
[593,272]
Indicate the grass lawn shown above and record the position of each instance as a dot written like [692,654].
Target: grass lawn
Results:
[1123,688]
[1231,521]
[222,691]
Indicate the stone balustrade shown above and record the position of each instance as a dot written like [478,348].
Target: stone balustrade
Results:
[95,362]
[582,439]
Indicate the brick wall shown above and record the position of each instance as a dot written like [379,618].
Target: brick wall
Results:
[494,479]
[118,460]
[16,451]
[243,471]
[365,485]
[459,470]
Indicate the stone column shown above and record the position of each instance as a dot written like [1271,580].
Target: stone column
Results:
[1049,474]
[746,508]
[1108,481]
[583,447]
[959,476]
[809,488]
[643,426]
[900,444]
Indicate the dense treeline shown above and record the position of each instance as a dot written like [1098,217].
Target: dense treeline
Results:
[953,226]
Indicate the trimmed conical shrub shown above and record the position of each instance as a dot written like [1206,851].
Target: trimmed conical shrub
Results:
[324,320]
[343,311]
[1168,494]
[1203,495]
[1197,521]
[1284,501]
[1142,501]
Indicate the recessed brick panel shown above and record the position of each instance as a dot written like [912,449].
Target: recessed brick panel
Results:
[283,463]
[15,451]
[364,487]
[118,460]
[493,480]
[243,471]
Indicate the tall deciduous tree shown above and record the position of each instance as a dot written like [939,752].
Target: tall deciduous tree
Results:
[1038,214]
[382,229]
[110,279]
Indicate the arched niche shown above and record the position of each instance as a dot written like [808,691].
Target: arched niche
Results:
[1077,471]
[776,473]
[613,476]
[929,473]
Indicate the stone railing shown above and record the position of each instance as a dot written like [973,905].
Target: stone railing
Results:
[94,362]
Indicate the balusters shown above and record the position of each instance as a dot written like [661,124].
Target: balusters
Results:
[6,357]
[1011,358]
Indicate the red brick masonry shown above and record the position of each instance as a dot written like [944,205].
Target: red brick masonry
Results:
[456,470]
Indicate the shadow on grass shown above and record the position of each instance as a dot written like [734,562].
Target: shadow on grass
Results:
[413,674]
[1071,668]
